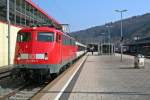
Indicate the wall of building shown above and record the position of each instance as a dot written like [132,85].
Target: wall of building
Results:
[4,43]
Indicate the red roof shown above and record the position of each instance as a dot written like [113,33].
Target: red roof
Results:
[42,11]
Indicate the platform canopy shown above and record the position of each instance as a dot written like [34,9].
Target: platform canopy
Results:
[25,13]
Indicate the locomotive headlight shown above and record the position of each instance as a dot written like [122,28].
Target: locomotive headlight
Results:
[18,56]
[46,56]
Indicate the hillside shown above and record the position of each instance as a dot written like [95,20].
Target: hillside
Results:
[132,27]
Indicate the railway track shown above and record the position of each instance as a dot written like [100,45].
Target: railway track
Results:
[8,95]
[5,74]
[24,92]
[19,91]
[11,90]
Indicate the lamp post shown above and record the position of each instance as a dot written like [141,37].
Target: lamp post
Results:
[109,38]
[103,38]
[121,13]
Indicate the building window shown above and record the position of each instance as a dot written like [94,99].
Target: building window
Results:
[22,13]
[3,10]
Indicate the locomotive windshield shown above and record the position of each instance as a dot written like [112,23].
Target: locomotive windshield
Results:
[45,36]
[23,37]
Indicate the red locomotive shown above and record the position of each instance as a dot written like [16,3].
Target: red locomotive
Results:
[44,51]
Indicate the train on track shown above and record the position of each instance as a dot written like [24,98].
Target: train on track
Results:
[44,51]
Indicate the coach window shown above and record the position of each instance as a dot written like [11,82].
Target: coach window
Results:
[73,42]
[23,37]
[45,36]
[67,41]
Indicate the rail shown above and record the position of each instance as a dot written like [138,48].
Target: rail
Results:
[4,74]
[7,96]
[5,71]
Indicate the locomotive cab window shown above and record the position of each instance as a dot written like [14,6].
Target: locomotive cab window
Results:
[23,37]
[45,36]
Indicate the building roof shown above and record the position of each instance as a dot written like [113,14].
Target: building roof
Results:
[42,11]
[145,40]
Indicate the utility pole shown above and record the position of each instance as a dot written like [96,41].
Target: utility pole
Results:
[121,41]
[8,22]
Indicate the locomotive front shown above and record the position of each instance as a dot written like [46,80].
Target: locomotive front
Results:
[35,52]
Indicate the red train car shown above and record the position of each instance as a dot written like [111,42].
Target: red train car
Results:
[43,51]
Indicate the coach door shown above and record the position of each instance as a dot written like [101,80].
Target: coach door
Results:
[59,40]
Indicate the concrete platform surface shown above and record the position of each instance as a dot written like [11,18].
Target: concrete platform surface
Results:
[55,89]
[106,78]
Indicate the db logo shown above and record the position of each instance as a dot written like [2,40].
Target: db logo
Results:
[32,56]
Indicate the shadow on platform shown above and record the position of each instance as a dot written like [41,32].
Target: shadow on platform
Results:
[127,68]
[106,93]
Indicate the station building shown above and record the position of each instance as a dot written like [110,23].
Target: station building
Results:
[23,13]
[140,46]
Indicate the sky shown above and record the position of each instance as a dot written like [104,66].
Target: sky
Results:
[83,14]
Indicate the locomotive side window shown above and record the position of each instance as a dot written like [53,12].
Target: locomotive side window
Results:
[23,37]
[64,39]
[45,36]
[58,38]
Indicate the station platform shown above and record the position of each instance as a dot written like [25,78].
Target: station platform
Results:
[107,78]
[104,77]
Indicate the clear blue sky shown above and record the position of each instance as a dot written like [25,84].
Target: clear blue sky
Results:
[82,14]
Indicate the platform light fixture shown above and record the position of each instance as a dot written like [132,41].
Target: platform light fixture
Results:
[121,33]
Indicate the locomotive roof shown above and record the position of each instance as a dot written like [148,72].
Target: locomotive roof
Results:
[45,28]
[38,29]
